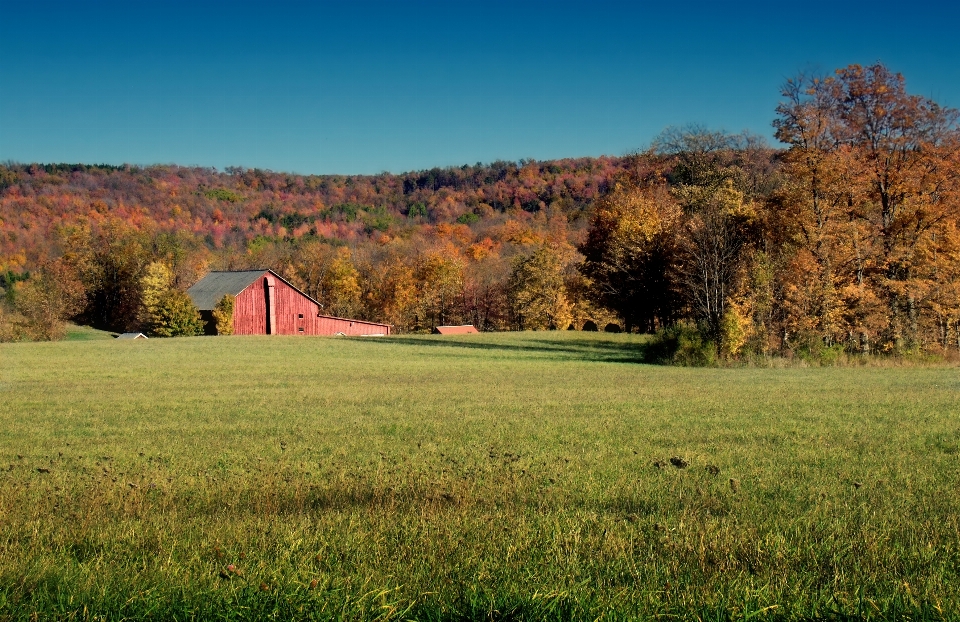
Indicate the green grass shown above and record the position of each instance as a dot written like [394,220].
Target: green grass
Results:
[86,333]
[502,476]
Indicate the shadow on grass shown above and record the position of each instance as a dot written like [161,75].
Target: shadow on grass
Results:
[598,350]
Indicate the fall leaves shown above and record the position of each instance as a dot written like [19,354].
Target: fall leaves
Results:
[856,245]
[870,214]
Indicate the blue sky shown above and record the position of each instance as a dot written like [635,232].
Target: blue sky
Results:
[369,86]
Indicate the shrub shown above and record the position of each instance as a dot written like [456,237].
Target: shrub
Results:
[682,344]
[223,315]
[815,351]
[176,316]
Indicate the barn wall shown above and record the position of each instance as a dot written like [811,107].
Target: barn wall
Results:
[324,325]
[251,310]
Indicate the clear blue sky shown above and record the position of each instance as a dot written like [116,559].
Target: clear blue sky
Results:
[359,86]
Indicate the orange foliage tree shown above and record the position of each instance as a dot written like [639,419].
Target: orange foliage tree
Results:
[871,210]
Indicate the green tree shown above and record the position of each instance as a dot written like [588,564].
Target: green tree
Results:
[176,316]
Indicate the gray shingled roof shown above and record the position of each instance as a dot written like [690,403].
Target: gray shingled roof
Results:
[209,290]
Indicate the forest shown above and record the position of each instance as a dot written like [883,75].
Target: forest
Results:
[843,240]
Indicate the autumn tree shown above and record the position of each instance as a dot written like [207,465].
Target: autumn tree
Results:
[341,286]
[631,254]
[486,292]
[876,171]
[439,278]
[309,266]
[717,231]
[184,252]
[154,284]
[390,291]
[328,274]
[44,302]
[109,258]
[166,311]
[538,293]
[812,220]
[223,315]
[698,156]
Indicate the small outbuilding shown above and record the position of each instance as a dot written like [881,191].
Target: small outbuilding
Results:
[266,304]
[131,336]
[466,329]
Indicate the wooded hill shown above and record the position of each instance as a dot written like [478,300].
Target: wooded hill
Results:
[846,240]
[234,207]
[365,246]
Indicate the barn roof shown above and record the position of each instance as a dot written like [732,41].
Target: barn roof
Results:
[209,290]
[455,330]
[131,336]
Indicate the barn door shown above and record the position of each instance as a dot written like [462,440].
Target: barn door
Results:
[269,294]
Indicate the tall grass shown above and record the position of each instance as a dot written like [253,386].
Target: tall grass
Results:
[521,476]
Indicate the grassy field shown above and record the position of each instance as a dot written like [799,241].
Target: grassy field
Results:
[511,476]
[85,333]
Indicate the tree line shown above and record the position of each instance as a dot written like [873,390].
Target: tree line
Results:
[843,241]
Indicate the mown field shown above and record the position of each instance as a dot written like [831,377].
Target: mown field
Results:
[511,476]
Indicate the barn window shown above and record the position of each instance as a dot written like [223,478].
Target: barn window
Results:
[299,316]
[300,329]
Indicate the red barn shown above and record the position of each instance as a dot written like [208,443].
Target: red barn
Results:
[266,304]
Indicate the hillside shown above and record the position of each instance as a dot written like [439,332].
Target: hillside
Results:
[414,250]
[234,207]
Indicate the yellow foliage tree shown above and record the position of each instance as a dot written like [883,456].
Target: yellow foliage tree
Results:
[155,283]
[717,234]
[165,311]
[223,315]
[439,278]
[341,285]
[538,293]
[630,253]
